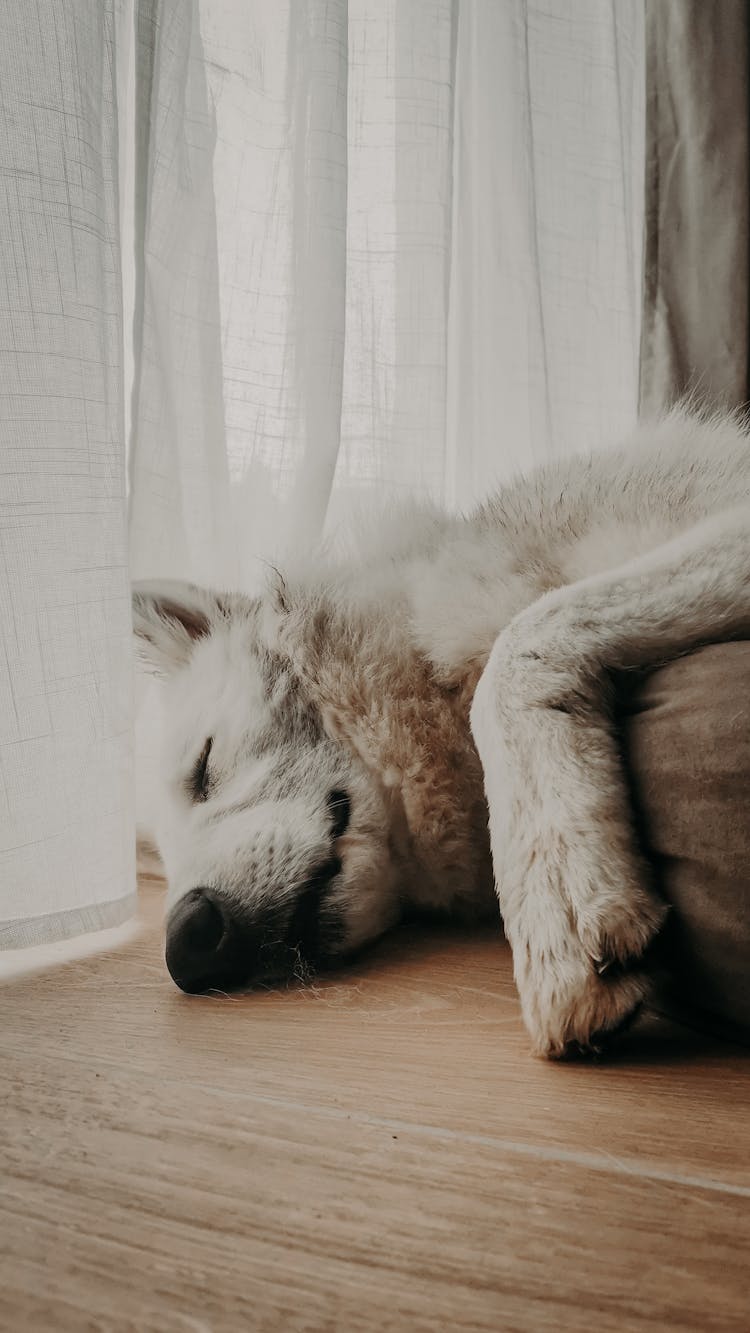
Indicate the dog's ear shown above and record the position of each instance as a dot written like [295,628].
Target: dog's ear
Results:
[168,617]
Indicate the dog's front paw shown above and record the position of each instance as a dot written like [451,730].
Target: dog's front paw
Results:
[571,1008]
[578,933]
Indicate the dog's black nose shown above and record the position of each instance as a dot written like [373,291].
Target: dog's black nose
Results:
[204,948]
[213,944]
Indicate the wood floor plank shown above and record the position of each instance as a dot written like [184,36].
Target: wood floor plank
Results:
[130,1200]
[377,1152]
[426,1027]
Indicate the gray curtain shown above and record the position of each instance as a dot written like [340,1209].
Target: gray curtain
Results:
[695,310]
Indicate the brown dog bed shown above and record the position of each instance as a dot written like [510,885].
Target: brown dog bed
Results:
[687,739]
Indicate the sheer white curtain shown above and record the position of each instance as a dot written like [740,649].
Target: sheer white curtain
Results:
[66,800]
[366,246]
[390,242]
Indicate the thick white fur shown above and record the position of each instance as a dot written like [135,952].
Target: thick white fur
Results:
[520,611]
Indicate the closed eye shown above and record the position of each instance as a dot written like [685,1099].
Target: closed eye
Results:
[339,806]
[198,781]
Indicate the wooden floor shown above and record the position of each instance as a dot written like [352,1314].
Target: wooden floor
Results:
[378,1152]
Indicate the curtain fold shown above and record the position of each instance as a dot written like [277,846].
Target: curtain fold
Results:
[695,302]
[179,475]
[241,188]
[66,707]
[546,263]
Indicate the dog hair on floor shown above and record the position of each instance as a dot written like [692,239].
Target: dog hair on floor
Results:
[427,709]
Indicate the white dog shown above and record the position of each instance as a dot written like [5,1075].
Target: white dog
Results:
[319,776]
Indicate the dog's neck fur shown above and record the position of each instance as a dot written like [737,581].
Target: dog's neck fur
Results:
[359,660]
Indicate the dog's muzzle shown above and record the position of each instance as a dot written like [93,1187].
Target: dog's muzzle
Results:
[212,943]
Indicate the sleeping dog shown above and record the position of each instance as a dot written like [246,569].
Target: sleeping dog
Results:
[422,719]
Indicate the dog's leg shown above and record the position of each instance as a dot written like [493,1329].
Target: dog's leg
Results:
[575,896]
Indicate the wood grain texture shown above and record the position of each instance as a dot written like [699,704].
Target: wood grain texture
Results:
[378,1151]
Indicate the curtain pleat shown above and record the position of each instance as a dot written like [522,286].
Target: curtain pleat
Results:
[546,257]
[241,189]
[695,301]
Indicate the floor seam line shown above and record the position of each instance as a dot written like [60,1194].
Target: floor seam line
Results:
[608,1164]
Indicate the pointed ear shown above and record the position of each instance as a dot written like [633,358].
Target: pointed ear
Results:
[278,591]
[168,618]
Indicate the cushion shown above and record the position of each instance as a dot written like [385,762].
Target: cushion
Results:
[686,733]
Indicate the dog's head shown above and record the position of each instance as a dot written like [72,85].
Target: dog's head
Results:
[313,780]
